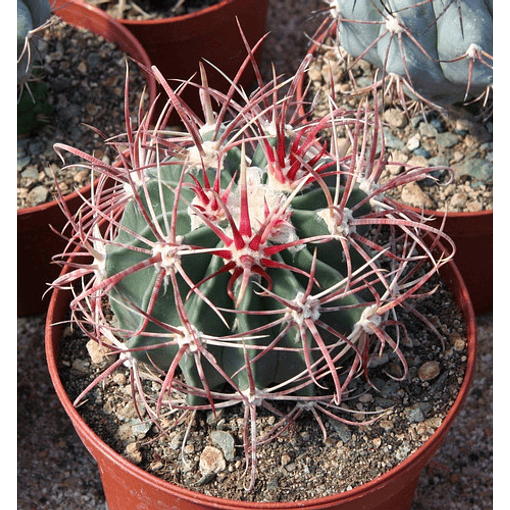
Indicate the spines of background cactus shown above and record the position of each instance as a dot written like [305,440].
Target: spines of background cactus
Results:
[31,16]
[442,50]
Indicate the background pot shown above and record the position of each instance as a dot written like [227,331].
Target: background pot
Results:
[37,243]
[127,486]
[176,45]
[473,237]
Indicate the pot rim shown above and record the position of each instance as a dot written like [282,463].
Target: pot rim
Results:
[26,211]
[449,214]
[449,273]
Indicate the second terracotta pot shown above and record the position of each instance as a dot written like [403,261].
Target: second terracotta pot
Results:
[176,45]
[472,234]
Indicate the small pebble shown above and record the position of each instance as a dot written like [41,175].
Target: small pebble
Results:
[93,60]
[413,143]
[286,459]
[395,118]
[437,125]
[98,354]
[211,461]
[37,196]
[414,196]
[426,129]
[133,453]
[392,141]
[214,417]
[447,140]
[474,206]
[386,424]
[421,152]
[418,161]
[82,176]
[189,449]
[175,440]
[225,442]
[438,161]
[414,414]
[23,161]
[478,169]
[458,200]
[127,432]
[140,428]
[459,345]
[429,370]
[30,172]
[81,365]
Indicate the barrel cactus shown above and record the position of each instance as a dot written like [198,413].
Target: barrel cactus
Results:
[441,50]
[244,262]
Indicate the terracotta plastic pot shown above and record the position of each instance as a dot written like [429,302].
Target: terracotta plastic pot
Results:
[473,237]
[37,243]
[176,45]
[471,232]
[127,486]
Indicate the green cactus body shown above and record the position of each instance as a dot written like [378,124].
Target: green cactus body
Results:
[33,108]
[441,48]
[229,326]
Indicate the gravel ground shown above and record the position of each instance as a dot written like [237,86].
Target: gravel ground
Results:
[56,472]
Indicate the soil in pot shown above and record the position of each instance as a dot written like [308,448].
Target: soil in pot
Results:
[287,467]
[461,139]
[150,9]
[85,75]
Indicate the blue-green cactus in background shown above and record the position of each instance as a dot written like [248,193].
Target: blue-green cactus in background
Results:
[31,16]
[33,108]
[441,49]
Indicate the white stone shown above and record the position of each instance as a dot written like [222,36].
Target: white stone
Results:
[211,461]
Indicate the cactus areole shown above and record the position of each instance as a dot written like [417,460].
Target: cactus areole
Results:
[244,261]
